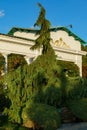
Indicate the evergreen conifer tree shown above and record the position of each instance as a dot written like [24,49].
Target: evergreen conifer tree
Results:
[44,33]
[40,82]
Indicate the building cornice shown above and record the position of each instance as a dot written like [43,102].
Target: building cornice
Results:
[33,30]
[14,39]
[75,52]
[28,42]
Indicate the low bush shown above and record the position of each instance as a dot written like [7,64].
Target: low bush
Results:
[79,108]
[76,88]
[71,69]
[76,97]
[43,115]
[4,102]
[10,126]
[84,70]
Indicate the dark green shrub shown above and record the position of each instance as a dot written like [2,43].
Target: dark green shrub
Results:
[70,68]
[34,82]
[2,61]
[46,83]
[79,108]
[53,94]
[43,115]
[76,95]
[76,88]
[48,89]
[14,93]
[84,70]
[11,126]
[84,62]
[4,101]
[14,61]
[43,81]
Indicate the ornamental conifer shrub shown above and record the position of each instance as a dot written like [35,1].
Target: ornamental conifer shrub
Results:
[34,82]
[76,97]
[42,82]
[43,116]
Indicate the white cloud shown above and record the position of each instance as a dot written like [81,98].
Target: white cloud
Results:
[2,13]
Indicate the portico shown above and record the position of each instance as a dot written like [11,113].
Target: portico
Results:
[67,45]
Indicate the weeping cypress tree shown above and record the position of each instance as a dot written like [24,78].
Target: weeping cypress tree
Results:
[44,34]
[53,72]
[40,82]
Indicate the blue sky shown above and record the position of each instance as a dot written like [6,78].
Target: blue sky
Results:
[24,13]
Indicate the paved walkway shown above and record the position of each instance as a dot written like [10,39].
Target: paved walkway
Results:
[74,126]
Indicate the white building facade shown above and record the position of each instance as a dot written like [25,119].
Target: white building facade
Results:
[66,44]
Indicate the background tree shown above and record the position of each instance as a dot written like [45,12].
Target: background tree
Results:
[14,61]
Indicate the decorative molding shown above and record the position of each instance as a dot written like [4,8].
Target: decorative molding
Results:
[60,43]
[14,45]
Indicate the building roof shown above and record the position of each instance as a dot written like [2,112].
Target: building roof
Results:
[32,30]
[1,34]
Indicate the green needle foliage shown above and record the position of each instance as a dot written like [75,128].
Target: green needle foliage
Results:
[34,83]
[84,62]
[76,88]
[43,81]
[44,116]
[43,41]
[79,108]
[3,100]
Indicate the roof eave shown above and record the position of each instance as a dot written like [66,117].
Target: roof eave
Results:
[32,30]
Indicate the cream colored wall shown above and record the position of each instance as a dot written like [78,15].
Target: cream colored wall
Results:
[68,49]
[69,40]
[65,55]
[10,45]
[68,43]
[77,59]
[25,35]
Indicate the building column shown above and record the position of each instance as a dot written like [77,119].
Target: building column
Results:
[80,67]
[29,59]
[5,69]
[5,63]
[78,62]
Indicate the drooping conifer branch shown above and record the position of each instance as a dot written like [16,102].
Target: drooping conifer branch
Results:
[43,41]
